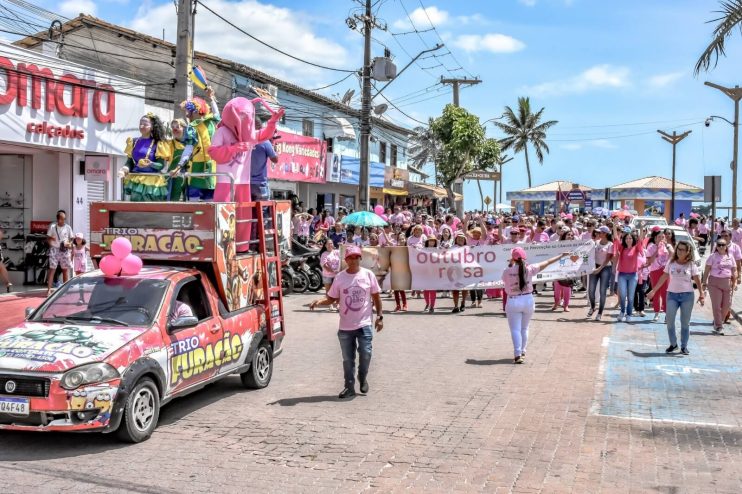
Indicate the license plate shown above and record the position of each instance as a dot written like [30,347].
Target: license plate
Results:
[16,406]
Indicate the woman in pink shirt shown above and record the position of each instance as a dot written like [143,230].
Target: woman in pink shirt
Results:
[430,295]
[659,252]
[720,279]
[627,249]
[518,284]
[563,289]
[682,272]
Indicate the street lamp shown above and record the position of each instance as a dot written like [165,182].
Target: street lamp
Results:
[673,139]
[735,94]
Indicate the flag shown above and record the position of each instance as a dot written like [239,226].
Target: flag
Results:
[198,76]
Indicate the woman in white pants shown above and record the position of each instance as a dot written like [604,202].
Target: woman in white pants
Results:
[518,285]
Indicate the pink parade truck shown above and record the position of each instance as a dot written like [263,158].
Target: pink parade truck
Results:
[104,353]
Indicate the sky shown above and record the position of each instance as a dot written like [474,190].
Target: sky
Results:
[610,73]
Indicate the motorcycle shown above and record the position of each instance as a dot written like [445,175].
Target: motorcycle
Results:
[292,270]
[302,264]
[287,276]
[311,265]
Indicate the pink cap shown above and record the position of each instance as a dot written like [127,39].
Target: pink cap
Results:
[568,216]
[518,253]
[656,228]
[352,250]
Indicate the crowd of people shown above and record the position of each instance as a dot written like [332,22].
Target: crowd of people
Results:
[646,267]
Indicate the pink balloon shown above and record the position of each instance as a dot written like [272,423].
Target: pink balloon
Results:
[121,247]
[110,265]
[379,209]
[131,265]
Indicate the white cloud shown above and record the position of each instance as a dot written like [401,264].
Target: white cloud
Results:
[597,143]
[492,42]
[73,8]
[597,77]
[422,18]
[664,80]
[282,28]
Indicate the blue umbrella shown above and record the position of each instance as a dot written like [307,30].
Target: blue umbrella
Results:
[363,218]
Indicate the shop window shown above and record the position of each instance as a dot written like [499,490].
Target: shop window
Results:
[329,145]
[394,155]
[307,127]
[382,152]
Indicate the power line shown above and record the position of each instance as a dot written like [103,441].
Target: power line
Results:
[330,85]
[441,39]
[270,46]
[620,136]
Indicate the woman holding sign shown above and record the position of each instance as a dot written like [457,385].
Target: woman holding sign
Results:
[518,284]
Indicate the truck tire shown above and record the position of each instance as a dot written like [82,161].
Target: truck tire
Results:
[141,412]
[301,282]
[261,368]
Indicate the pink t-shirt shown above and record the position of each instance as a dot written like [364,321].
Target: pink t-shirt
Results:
[628,259]
[354,293]
[661,253]
[383,241]
[510,279]
[703,229]
[721,266]
[541,238]
[414,241]
[474,243]
[330,262]
[681,276]
[602,251]
[735,251]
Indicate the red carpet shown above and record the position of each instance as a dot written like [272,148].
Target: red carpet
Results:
[13,307]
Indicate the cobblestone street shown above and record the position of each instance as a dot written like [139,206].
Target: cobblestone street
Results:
[598,407]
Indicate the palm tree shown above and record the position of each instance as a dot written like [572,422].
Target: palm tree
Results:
[523,129]
[729,19]
[424,147]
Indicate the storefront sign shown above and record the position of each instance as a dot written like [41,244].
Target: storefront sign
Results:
[74,108]
[482,176]
[97,168]
[396,178]
[300,159]
[411,268]
[40,226]
[350,172]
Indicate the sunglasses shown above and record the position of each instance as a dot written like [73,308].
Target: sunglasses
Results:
[721,245]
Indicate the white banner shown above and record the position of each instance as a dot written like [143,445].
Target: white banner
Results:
[462,268]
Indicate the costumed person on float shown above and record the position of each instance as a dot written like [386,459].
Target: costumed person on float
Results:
[181,148]
[148,154]
[203,119]
[231,148]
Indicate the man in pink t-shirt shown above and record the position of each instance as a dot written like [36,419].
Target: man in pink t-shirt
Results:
[356,290]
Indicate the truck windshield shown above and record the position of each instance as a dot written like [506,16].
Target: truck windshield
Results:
[105,301]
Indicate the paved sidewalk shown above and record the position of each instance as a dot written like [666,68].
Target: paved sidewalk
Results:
[598,407]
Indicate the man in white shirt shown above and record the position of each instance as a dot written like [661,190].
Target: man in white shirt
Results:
[60,237]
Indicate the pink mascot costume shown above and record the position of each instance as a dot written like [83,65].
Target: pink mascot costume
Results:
[231,147]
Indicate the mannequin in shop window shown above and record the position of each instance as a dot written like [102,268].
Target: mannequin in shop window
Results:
[148,154]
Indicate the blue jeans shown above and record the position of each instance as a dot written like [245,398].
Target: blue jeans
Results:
[260,192]
[605,278]
[359,339]
[683,301]
[626,290]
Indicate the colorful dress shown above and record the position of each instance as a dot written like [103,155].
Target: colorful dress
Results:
[143,188]
[182,153]
[203,130]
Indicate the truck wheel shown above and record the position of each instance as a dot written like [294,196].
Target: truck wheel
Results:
[141,412]
[287,283]
[301,282]
[261,368]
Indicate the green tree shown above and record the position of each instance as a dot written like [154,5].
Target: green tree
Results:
[424,147]
[523,129]
[729,21]
[462,142]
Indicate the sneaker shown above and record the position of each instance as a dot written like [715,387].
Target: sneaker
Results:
[719,331]
[590,313]
[598,317]
[641,313]
[364,386]
[656,317]
[621,317]
[684,351]
[671,348]
[455,310]
[627,318]
[426,307]
[347,393]
[431,310]
[518,360]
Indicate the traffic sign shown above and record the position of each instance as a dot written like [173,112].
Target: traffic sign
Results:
[487,200]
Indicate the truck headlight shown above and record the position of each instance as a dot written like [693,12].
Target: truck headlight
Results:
[88,374]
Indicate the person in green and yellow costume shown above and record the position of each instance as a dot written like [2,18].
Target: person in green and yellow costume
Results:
[203,119]
[181,147]
[148,154]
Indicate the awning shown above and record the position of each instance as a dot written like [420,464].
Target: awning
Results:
[395,192]
[339,128]
[421,189]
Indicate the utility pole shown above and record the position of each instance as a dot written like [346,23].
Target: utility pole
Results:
[183,52]
[673,139]
[364,188]
[455,83]
[735,94]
